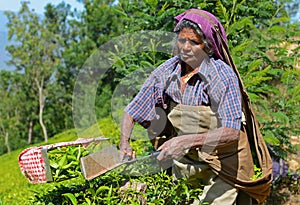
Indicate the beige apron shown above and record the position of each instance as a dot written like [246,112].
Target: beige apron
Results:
[193,166]
[231,162]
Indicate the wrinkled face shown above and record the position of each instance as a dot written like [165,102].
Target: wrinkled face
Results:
[190,47]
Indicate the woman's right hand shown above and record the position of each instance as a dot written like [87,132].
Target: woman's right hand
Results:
[126,150]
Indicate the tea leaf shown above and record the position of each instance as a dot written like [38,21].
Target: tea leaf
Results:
[71,197]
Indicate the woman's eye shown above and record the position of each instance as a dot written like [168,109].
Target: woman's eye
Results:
[191,42]
[195,43]
[181,40]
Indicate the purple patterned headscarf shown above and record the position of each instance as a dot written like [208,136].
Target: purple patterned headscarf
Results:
[210,26]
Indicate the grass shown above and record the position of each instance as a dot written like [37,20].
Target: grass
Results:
[12,183]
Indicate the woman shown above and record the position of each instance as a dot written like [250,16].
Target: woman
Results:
[201,96]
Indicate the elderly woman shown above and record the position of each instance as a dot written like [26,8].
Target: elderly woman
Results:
[192,108]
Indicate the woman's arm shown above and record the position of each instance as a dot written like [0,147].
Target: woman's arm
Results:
[176,147]
[126,129]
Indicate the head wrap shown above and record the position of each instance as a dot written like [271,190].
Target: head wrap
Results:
[210,26]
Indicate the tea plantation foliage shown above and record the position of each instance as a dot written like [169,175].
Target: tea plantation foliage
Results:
[49,53]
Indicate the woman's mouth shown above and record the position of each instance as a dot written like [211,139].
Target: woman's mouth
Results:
[185,56]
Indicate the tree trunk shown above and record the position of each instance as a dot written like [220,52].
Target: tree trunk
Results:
[41,108]
[30,132]
[6,142]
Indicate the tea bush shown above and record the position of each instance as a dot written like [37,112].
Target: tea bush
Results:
[105,189]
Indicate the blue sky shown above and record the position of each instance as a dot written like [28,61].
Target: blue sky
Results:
[15,5]
[37,5]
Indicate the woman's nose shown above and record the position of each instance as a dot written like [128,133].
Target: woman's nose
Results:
[186,45]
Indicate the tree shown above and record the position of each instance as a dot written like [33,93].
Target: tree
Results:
[35,55]
[62,22]
[5,112]
[10,111]
[264,45]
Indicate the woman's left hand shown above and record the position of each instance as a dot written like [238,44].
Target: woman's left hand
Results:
[172,149]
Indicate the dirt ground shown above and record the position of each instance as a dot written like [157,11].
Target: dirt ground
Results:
[294,165]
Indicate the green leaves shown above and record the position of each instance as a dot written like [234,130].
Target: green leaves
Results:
[152,3]
[263,46]
[71,197]
[270,138]
[65,161]
[258,173]
[221,11]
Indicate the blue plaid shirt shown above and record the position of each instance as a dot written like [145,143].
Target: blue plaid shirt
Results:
[215,85]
